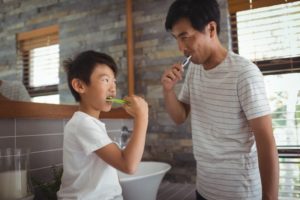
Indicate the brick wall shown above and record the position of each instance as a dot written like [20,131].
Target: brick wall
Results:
[91,24]
[100,25]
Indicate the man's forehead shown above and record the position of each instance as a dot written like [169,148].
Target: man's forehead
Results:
[179,34]
[181,27]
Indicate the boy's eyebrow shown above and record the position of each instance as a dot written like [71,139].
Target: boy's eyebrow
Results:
[104,74]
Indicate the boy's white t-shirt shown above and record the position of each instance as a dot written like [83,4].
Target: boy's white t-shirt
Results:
[85,175]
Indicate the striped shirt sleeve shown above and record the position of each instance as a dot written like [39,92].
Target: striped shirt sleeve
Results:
[252,93]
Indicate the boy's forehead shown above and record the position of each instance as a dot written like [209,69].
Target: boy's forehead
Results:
[103,69]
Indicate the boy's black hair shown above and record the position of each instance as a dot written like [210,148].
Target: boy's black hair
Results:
[198,12]
[82,66]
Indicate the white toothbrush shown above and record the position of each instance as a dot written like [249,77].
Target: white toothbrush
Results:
[186,61]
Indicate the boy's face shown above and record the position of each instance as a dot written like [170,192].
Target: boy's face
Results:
[102,85]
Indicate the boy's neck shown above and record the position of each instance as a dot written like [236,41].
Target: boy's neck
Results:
[90,111]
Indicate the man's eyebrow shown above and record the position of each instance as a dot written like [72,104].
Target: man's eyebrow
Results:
[179,35]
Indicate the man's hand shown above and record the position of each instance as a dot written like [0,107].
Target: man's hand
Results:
[171,76]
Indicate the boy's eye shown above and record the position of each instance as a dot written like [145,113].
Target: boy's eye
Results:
[108,80]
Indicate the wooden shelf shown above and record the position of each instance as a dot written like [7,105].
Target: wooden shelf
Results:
[16,109]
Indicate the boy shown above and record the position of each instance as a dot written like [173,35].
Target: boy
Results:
[90,158]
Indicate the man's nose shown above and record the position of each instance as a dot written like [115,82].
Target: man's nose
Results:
[181,45]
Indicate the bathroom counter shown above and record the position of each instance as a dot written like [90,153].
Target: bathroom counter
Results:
[17,109]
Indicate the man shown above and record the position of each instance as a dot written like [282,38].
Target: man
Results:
[224,93]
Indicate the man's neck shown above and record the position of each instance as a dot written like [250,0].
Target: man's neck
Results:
[217,56]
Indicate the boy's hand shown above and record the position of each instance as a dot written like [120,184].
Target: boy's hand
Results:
[137,106]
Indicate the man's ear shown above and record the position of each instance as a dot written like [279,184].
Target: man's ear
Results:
[78,85]
[212,28]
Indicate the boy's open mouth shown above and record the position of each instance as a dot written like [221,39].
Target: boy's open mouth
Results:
[115,100]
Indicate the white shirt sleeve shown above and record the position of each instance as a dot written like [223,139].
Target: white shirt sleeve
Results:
[252,93]
[92,136]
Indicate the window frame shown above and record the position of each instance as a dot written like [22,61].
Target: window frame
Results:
[288,154]
[24,56]
[268,67]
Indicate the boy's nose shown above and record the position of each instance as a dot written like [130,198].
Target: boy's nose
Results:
[113,87]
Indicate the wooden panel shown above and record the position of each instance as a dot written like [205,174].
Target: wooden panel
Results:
[43,41]
[37,33]
[238,5]
[15,109]
[264,3]
[130,47]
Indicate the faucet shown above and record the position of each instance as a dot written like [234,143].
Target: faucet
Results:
[125,134]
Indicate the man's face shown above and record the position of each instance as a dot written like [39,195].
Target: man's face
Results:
[191,41]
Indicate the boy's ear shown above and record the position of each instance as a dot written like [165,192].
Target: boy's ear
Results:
[78,85]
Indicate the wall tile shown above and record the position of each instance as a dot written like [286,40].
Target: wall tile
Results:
[7,127]
[7,143]
[45,159]
[38,126]
[40,143]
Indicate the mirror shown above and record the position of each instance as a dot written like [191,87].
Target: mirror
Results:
[108,36]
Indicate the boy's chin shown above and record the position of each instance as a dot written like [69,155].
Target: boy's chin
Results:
[107,108]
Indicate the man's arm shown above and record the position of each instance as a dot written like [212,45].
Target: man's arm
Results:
[267,156]
[176,109]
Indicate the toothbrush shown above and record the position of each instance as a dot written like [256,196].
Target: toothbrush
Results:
[186,61]
[115,100]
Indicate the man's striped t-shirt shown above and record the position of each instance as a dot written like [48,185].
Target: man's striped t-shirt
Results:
[222,100]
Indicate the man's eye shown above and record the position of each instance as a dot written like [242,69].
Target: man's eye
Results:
[184,38]
[105,80]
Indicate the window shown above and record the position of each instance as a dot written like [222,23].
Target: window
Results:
[276,35]
[38,51]
[268,33]
[269,36]
[285,105]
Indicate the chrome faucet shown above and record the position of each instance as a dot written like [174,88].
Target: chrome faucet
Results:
[125,134]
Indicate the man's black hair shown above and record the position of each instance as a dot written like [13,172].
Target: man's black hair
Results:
[198,12]
[83,66]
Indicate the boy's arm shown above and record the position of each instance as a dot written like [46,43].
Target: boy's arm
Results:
[128,159]
[267,156]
